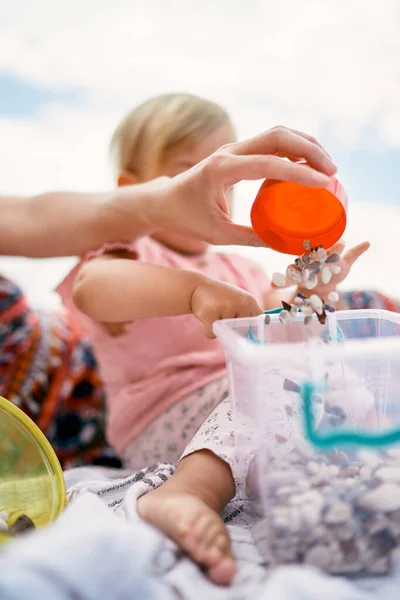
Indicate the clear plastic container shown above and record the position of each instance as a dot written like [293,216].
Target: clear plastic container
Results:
[317,423]
[31,478]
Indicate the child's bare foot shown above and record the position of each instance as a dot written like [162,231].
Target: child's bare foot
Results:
[186,509]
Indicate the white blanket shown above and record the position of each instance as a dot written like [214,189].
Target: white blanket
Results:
[119,491]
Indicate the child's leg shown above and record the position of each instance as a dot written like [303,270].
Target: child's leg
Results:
[187,506]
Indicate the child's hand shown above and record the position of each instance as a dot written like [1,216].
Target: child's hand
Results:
[347,261]
[214,300]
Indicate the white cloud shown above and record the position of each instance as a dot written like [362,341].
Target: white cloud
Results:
[297,62]
[308,64]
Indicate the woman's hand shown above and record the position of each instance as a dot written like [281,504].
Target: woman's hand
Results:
[194,203]
[214,300]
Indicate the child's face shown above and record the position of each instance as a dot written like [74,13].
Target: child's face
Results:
[181,159]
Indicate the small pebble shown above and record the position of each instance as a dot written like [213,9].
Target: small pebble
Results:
[376,524]
[293,274]
[333,258]
[321,253]
[279,279]
[338,514]
[388,474]
[385,498]
[314,268]
[311,282]
[291,386]
[284,316]
[317,304]
[307,245]
[336,269]
[329,308]
[307,311]
[393,453]
[267,319]
[307,320]
[23,523]
[306,259]
[299,263]
[326,275]
[298,302]
[312,467]
[319,556]
[381,566]
[333,297]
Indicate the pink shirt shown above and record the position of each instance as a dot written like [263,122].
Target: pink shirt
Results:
[158,361]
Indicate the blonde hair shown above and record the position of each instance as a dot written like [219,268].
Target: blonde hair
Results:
[160,124]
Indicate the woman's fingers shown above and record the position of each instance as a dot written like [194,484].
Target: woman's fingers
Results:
[282,141]
[237,168]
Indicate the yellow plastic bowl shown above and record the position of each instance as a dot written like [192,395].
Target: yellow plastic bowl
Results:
[31,478]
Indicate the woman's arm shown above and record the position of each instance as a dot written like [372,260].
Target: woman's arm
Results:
[71,224]
[193,204]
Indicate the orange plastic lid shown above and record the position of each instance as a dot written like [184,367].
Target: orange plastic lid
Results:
[284,214]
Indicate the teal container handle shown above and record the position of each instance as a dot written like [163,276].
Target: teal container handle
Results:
[330,440]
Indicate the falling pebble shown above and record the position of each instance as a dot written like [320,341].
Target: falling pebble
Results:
[299,263]
[311,282]
[321,253]
[314,267]
[279,279]
[307,311]
[299,301]
[267,319]
[333,297]
[333,258]
[307,244]
[293,274]
[326,275]
[284,316]
[336,269]
[307,320]
[302,296]
[286,306]
[293,311]
[322,317]
[329,308]
[317,304]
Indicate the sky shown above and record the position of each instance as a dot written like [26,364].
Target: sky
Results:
[70,69]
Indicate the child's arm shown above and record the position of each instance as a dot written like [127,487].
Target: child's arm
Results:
[119,290]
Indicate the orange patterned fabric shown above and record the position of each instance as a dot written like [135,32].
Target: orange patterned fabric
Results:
[48,369]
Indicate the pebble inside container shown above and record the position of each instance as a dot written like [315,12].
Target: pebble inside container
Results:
[32,488]
[317,421]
